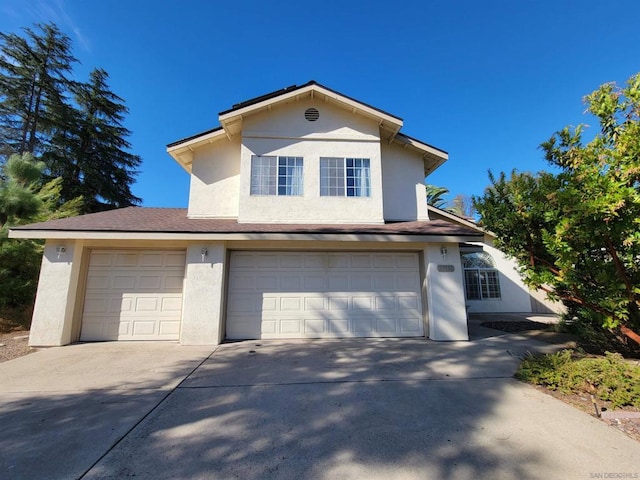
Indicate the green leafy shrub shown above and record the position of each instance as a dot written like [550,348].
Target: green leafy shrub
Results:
[609,378]
[594,338]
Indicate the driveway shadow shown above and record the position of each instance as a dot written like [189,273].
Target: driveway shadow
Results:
[365,408]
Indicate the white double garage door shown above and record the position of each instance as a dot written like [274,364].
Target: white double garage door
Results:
[137,295]
[325,294]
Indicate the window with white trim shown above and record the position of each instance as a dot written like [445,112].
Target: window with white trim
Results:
[271,175]
[345,177]
[481,278]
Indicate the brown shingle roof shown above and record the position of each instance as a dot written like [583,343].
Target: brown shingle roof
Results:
[174,220]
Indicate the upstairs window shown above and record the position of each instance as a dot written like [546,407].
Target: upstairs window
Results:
[345,177]
[272,175]
[481,278]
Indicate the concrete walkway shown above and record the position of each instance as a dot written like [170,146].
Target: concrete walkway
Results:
[330,409]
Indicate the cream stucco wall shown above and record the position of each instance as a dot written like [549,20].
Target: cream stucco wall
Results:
[215,180]
[445,293]
[515,296]
[405,196]
[56,299]
[58,307]
[337,133]
[221,170]
[204,295]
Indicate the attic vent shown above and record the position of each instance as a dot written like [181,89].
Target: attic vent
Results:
[311,114]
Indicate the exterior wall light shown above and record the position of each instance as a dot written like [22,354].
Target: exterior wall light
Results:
[204,252]
[443,252]
[61,250]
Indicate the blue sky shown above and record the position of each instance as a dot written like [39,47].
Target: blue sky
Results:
[487,81]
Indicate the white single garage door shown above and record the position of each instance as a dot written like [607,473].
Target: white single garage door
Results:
[323,294]
[133,295]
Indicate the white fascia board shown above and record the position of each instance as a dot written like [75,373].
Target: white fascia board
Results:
[422,147]
[319,237]
[183,153]
[432,157]
[364,109]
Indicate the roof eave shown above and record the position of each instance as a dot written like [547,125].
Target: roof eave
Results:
[182,150]
[432,156]
[240,236]
[231,120]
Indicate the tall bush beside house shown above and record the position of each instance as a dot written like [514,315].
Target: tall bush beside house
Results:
[576,233]
[24,199]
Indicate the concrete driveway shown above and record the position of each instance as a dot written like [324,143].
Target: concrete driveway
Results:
[366,408]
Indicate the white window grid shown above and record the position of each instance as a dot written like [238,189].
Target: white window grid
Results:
[481,278]
[340,177]
[289,175]
[271,175]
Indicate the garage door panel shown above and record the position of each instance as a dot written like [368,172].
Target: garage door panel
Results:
[383,260]
[152,260]
[338,283]
[291,304]
[338,304]
[407,261]
[407,282]
[141,327]
[294,260]
[361,261]
[359,281]
[150,282]
[315,261]
[360,303]
[125,260]
[315,282]
[267,261]
[385,283]
[172,305]
[169,328]
[410,325]
[338,327]
[363,325]
[247,327]
[243,282]
[288,326]
[123,282]
[314,327]
[101,259]
[315,304]
[241,303]
[386,325]
[385,302]
[133,295]
[173,283]
[331,294]
[98,282]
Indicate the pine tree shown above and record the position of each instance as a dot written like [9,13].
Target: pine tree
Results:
[24,199]
[91,156]
[33,82]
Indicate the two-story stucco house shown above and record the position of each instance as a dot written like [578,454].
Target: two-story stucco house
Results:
[307,218]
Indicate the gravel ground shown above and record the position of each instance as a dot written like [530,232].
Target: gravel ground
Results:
[14,344]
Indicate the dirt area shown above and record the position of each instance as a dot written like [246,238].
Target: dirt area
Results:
[14,343]
[629,426]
